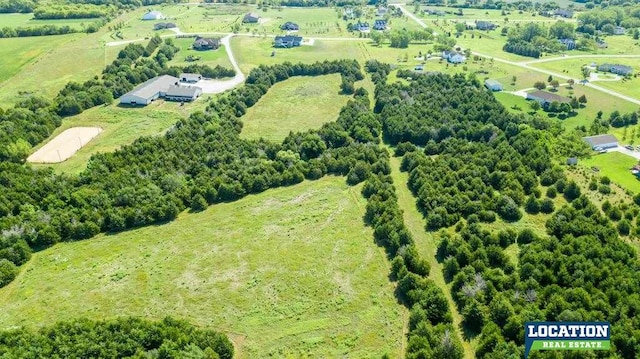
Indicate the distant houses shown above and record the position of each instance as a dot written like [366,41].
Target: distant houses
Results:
[623,70]
[287,41]
[485,25]
[153,15]
[454,57]
[289,26]
[570,44]
[380,25]
[546,98]
[164,86]
[250,18]
[163,25]
[202,43]
[493,85]
[348,13]
[361,26]
[567,14]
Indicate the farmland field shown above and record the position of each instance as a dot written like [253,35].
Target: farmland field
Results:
[291,272]
[121,126]
[279,111]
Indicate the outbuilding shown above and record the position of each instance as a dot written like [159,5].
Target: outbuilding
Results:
[183,93]
[190,78]
[148,91]
[602,141]
[153,15]
[493,85]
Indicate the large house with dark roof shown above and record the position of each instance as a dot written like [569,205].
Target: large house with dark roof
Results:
[250,18]
[545,98]
[163,25]
[203,43]
[165,86]
[361,26]
[485,25]
[380,25]
[601,141]
[289,26]
[287,41]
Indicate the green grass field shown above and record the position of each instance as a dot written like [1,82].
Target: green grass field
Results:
[291,272]
[616,166]
[297,104]
[121,126]
[15,20]
[209,57]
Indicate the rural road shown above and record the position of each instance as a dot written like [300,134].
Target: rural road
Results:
[217,86]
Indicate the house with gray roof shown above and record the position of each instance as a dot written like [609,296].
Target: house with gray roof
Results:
[250,18]
[182,93]
[493,85]
[545,98]
[601,141]
[148,91]
[623,70]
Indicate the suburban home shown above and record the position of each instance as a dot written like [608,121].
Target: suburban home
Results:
[287,41]
[190,78]
[153,15]
[545,98]
[380,25]
[182,93]
[485,25]
[570,44]
[601,141]
[163,25]
[361,26]
[382,11]
[435,12]
[623,70]
[454,57]
[148,91]
[250,18]
[290,26]
[202,43]
[493,85]
[619,30]
[563,13]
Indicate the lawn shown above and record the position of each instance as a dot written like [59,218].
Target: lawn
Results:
[291,272]
[297,104]
[616,166]
[121,126]
[209,57]
[15,20]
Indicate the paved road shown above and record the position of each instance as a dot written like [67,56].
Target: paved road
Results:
[621,149]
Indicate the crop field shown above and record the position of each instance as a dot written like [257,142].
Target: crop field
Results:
[616,166]
[291,272]
[121,126]
[209,57]
[15,20]
[281,109]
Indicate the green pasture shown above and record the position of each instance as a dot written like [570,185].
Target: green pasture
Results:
[297,104]
[15,20]
[291,272]
[120,126]
[208,57]
[616,166]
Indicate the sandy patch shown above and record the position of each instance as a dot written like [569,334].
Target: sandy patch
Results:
[64,145]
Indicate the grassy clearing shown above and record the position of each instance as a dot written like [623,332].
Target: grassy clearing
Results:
[210,57]
[297,104]
[616,166]
[121,126]
[291,272]
[427,244]
[26,20]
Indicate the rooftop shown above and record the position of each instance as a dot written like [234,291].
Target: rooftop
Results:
[153,86]
[182,91]
[600,139]
[548,96]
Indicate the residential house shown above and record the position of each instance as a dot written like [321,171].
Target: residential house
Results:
[190,78]
[485,25]
[289,26]
[361,26]
[163,25]
[380,25]
[601,141]
[287,41]
[619,30]
[570,44]
[545,98]
[623,70]
[493,85]
[250,18]
[568,14]
[153,15]
[148,91]
[182,93]
[454,57]
[203,43]
[382,11]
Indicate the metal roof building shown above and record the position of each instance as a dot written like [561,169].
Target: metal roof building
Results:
[602,141]
[149,90]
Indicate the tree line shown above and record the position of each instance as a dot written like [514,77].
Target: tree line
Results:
[116,338]
[75,11]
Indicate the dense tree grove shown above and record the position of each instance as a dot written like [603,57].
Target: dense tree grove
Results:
[67,11]
[118,338]
[474,169]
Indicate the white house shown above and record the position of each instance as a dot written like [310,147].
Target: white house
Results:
[153,15]
[454,57]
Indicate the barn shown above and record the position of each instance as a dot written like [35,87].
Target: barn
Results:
[148,91]
[602,141]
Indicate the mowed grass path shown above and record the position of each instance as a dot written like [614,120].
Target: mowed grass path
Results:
[289,272]
[297,104]
[121,126]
